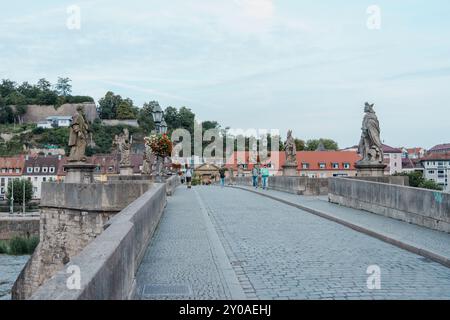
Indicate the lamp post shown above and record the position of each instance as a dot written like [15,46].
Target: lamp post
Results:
[160,124]
[12,196]
[163,127]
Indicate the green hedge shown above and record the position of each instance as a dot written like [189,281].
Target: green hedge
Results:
[19,246]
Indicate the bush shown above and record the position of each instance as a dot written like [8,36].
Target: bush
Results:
[22,246]
[3,248]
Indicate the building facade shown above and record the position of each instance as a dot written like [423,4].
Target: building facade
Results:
[10,168]
[437,168]
[39,169]
[55,122]
[392,159]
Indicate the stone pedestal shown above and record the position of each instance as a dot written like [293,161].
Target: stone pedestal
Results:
[79,172]
[367,169]
[126,170]
[290,170]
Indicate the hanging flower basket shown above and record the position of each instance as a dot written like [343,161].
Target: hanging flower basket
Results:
[160,145]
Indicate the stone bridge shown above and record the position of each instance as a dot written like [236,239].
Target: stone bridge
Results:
[364,240]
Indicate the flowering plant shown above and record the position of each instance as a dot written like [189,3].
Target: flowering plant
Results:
[160,145]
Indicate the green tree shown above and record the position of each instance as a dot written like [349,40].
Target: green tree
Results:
[19,185]
[63,87]
[187,118]
[44,85]
[145,117]
[7,87]
[172,118]
[313,144]
[108,105]
[299,144]
[125,110]
[430,184]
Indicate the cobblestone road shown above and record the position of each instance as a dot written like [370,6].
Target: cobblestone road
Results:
[277,252]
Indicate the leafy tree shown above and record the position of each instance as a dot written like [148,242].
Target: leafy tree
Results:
[7,87]
[125,110]
[313,144]
[172,118]
[145,117]
[44,85]
[417,180]
[430,184]
[18,186]
[299,144]
[108,105]
[187,118]
[6,114]
[63,87]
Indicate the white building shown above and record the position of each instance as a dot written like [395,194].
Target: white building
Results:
[10,168]
[437,168]
[40,169]
[55,122]
[393,160]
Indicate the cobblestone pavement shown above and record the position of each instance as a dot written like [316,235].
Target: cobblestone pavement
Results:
[276,251]
[281,252]
[434,241]
[182,261]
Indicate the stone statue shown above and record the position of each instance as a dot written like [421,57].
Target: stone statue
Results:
[370,147]
[253,157]
[290,149]
[147,166]
[123,143]
[79,132]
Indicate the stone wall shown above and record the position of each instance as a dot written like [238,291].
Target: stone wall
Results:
[72,215]
[422,207]
[397,180]
[297,185]
[109,263]
[36,113]
[18,226]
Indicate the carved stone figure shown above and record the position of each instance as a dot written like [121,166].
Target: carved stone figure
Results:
[290,149]
[253,156]
[370,146]
[79,132]
[123,143]
[147,165]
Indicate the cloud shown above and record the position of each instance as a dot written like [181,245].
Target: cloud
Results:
[259,9]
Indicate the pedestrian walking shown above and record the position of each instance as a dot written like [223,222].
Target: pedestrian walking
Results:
[264,175]
[255,174]
[188,175]
[222,176]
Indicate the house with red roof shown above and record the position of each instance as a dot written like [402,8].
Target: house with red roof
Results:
[314,164]
[437,168]
[10,168]
[392,160]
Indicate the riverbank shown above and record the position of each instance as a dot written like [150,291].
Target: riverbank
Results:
[10,267]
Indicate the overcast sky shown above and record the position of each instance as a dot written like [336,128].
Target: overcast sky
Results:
[274,64]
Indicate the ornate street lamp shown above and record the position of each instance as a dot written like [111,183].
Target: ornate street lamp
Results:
[163,127]
[157,117]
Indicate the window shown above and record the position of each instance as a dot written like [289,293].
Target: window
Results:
[110,169]
[346,165]
[52,169]
[322,165]
[2,183]
[305,165]
[17,170]
[37,169]
[335,165]
[29,170]
[3,170]
[45,169]
[44,179]
[10,170]
[430,171]
[35,179]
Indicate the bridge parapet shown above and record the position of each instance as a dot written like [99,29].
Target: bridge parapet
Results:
[422,207]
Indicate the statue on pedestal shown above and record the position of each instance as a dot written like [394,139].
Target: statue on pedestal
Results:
[290,149]
[370,147]
[79,132]
[147,166]
[123,143]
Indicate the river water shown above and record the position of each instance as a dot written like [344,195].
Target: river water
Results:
[10,267]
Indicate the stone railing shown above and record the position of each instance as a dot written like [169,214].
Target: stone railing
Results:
[422,207]
[171,184]
[108,264]
[296,185]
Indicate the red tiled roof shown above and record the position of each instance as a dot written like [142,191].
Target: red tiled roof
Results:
[436,156]
[312,158]
[41,161]
[440,148]
[12,163]
[389,149]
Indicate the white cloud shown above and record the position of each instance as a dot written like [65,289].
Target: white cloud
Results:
[259,9]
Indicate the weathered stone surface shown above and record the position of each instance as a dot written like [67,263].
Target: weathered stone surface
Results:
[72,215]
[109,263]
[20,226]
[418,206]
[296,185]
